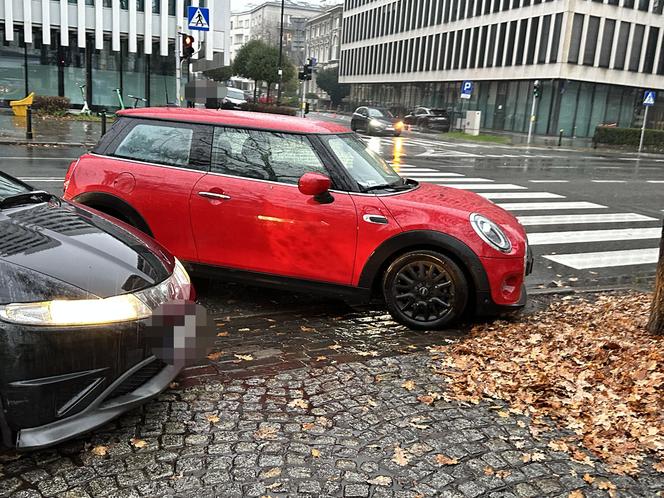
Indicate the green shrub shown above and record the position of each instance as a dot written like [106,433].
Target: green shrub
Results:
[272,109]
[53,106]
[629,137]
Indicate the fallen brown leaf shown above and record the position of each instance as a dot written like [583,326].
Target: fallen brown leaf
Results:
[266,432]
[409,385]
[308,426]
[244,357]
[100,450]
[380,481]
[400,457]
[299,403]
[222,334]
[138,443]
[577,493]
[445,460]
[213,419]
[315,453]
[605,485]
[659,466]
[272,473]
[588,478]
[215,356]
[307,329]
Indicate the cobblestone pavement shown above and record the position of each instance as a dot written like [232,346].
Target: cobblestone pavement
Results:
[280,420]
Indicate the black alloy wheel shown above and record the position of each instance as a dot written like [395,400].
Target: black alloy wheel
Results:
[425,290]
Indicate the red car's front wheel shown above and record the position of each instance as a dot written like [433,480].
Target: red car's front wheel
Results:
[425,290]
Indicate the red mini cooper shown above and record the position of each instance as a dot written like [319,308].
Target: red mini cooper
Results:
[277,200]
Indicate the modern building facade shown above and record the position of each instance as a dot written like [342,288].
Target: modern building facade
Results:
[54,47]
[323,42]
[263,22]
[593,58]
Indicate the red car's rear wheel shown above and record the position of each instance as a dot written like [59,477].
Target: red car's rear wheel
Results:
[425,290]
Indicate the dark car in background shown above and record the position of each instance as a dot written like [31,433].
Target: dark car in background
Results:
[77,292]
[428,119]
[375,121]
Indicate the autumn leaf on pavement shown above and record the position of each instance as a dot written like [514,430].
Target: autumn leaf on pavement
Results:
[307,329]
[659,466]
[308,425]
[244,357]
[100,450]
[503,474]
[138,443]
[533,457]
[315,453]
[409,384]
[273,472]
[299,403]
[380,481]
[334,347]
[445,460]
[606,485]
[577,493]
[559,446]
[503,414]
[266,432]
[588,478]
[368,353]
[222,334]
[215,356]
[488,471]
[213,419]
[400,457]
[321,358]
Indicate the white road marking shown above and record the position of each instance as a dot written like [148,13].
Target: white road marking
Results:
[574,237]
[42,180]
[484,186]
[426,173]
[43,158]
[548,206]
[655,181]
[608,181]
[573,219]
[521,195]
[606,259]
[428,177]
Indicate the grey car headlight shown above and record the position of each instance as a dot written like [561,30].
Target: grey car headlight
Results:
[122,308]
[490,232]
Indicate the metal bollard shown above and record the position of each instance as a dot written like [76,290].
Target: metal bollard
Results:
[103,122]
[28,129]
[560,138]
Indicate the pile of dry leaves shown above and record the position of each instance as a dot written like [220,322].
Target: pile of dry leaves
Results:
[590,366]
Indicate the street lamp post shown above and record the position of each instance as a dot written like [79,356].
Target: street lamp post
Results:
[281,50]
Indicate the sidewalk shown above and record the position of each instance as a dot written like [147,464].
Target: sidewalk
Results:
[47,130]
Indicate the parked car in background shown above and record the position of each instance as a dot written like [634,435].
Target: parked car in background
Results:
[375,121]
[234,99]
[306,205]
[428,119]
[77,291]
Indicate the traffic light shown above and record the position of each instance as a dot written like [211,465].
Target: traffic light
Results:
[187,46]
[537,89]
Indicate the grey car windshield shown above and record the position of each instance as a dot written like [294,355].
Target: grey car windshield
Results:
[366,167]
[235,93]
[380,113]
[10,187]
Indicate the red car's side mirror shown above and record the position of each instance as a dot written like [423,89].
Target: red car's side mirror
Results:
[314,184]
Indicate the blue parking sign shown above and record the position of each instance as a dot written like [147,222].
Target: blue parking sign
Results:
[198,18]
[466,89]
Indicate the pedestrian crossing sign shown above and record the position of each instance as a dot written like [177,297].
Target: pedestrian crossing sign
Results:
[649,98]
[198,18]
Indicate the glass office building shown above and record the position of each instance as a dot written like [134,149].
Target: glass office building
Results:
[102,45]
[594,59]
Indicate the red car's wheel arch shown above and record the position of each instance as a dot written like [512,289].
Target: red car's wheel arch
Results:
[116,207]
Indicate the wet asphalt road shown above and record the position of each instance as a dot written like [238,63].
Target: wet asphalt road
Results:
[593,218]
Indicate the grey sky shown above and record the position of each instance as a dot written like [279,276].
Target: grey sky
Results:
[237,5]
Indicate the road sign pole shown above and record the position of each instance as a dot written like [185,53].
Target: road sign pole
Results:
[643,128]
[532,119]
[178,67]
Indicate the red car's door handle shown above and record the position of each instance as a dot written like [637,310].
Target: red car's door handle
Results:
[214,195]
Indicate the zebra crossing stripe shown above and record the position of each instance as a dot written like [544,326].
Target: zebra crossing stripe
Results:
[521,195]
[427,174]
[484,186]
[606,259]
[573,237]
[573,219]
[548,181]
[427,177]
[549,206]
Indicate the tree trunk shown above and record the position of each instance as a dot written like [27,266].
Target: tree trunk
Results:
[656,322]
[269,86]
[255,90]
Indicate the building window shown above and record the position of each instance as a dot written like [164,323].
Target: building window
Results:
[637,45]
[644,5]
[491,47]
[511,40]
[575,43]
[482,46]
[621,52]
[544,40]
[534,27]
[651,47]
[591,41]
[521,44]
[555,43]
[500,51]
[466,49]
[607,43]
